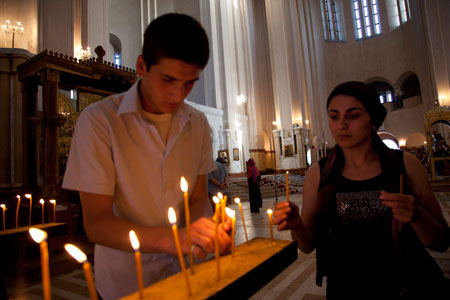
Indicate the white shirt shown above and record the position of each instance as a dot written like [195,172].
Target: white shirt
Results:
[116,151]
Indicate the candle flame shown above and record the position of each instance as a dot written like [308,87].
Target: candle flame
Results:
[231,213]
[28,196]
[219,194]
[183,184]
[134,240]
[76,253]
[52,201]
[18,196]
[2,205]
[172,216]
[37,235]
[287,172]
[216,199]
[41,201]
[237,200]
[269,211]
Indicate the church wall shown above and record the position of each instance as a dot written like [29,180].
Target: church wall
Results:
[388,56]
[25,11]
[125,22]
[438,37]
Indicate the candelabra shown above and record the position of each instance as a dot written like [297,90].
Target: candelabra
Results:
[9,28]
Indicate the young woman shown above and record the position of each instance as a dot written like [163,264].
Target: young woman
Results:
[368,210]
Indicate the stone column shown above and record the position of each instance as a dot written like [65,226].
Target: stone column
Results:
[300,140]
[276,142]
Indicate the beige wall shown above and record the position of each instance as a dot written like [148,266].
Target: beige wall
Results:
[387,57]
[25,11]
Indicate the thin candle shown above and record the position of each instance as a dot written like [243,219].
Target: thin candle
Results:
[53,201]
[82,259]
[184,188]
[137,256]
[216,236]
[3,209]
[40,237]
[287,186]
[17,210]
[238,202]
[42,203]
[269,212]
[222,206]
[232,214]
[31,203]
[173,222]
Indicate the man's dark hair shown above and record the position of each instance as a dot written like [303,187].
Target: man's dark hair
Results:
[176,36]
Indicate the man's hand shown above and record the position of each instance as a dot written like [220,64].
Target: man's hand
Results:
[203,235]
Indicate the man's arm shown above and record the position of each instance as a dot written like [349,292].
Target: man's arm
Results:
[104,228]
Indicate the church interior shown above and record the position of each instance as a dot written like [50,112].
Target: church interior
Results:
[272,65]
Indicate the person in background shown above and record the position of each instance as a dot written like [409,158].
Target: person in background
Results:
[254,192]
[369,211]
[218,181]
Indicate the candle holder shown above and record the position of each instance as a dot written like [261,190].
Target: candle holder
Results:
[13,29]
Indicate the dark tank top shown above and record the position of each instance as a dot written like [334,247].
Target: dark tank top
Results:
[362,257]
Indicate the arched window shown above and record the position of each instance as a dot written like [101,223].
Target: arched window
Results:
[366,17]
[117,47]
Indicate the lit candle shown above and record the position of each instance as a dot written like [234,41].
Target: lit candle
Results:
[17,211]
[53,201]
[269,212]
[40,237]
[232,214]
[184,188]
[42,203]
[137,256]
[82,259]
[216,237]
[287,186]
[31,202]
[222,206]
[3,209]
[173,222]
[238,202]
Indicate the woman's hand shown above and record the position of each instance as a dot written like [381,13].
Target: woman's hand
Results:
[403,206]
[286,216]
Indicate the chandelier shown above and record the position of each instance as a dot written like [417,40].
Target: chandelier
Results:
[9,28]
[83,54]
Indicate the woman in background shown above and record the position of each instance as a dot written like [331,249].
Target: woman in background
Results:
[254,192]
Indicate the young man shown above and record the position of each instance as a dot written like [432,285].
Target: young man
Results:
[129,152]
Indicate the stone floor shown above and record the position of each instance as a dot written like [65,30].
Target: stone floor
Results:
[295,282]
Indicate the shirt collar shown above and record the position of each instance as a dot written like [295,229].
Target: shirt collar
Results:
[131,103]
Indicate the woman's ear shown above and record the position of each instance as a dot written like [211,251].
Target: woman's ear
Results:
[141,67]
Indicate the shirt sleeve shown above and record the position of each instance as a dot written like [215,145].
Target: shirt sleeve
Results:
[90,166]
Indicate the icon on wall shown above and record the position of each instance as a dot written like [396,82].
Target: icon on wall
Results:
[288,150]
[224,155]
[235,154]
